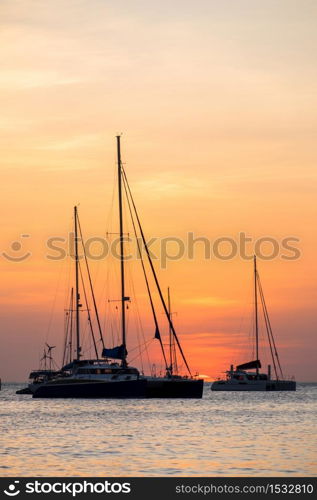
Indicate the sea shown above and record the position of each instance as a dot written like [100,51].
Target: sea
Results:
[222,434]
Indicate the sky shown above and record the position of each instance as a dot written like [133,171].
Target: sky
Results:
[216,104]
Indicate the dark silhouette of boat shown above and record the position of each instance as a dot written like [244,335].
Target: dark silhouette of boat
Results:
[112,377]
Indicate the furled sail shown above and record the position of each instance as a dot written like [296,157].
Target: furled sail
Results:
[251,364]
[118,352]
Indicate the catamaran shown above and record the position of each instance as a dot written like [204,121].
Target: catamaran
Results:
[241,378]
[110,376]
[99,377]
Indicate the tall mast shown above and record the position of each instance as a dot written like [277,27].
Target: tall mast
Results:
[123,325]
[170,330]
[256,315]
[77,296]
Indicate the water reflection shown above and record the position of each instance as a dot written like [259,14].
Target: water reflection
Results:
[237,434]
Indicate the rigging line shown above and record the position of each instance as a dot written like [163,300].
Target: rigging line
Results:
[107,232]
[106,224]
[90,284]
[69,268]
[174,357]
[111,329]
[139,346]
[154,274]
[137,325]
[267,325]
[110,318]
[88,312]
[107,236]
[138,322]
[70,348]
[270,328]
[67,321]
[69,332]
[143,268]
[54,300]
[136,357]
[144,344]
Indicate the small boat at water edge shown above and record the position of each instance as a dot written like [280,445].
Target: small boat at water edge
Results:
[240,379]
[45,372]
[94,379]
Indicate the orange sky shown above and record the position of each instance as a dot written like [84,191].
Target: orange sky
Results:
[217,108]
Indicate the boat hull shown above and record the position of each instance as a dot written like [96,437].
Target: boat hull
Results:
[261,385]
[174,388]
[92,389]
[26,390]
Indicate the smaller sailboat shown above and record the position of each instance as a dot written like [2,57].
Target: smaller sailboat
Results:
[241,378]
[45,372]
[92,378]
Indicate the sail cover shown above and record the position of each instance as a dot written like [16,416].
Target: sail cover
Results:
[118,352]
[251,364]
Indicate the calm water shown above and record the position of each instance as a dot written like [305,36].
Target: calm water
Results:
[238,434]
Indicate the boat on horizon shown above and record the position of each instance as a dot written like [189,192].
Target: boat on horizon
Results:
[241,378]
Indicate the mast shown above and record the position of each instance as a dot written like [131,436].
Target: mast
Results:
[256,315]
[123,298]
[170,330]
[77,296]
[71,325]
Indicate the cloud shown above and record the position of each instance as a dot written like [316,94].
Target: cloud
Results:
[209,301]
[28,79]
